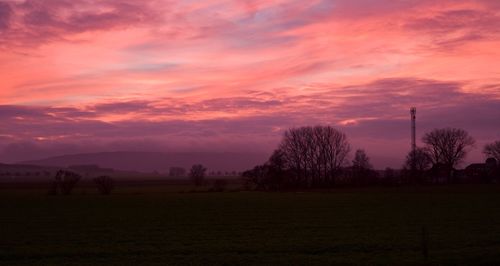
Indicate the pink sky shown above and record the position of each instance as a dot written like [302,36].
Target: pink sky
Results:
[87,75]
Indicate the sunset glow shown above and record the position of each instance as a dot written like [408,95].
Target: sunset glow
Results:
[86,75]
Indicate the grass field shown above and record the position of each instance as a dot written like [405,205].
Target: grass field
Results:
[159,226]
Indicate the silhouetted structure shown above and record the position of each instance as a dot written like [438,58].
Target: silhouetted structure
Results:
[413,113]
[483,172]
[315,157]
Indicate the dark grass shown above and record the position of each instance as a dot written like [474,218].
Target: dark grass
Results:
[155,225]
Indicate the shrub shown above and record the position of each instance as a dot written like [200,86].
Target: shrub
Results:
[64,183]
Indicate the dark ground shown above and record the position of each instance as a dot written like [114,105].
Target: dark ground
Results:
[157,225]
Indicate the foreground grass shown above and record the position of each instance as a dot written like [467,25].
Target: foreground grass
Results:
[157,226]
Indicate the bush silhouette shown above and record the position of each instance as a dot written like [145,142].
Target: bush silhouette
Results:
[64,183]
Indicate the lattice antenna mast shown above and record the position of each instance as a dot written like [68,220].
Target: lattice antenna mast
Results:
[413,112]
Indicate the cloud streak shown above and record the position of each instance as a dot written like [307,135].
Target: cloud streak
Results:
[372,114]
[228,75]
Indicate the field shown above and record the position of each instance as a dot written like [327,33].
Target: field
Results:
[161,225]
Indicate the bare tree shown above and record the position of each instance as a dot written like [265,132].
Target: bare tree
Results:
[492,150]
[313,155]
[197,174]
[448,146]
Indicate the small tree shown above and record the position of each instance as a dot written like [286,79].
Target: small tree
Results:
[65,182]
[362,169]
[197,174]
[361,160]
[105,184]
[493,150]
[416,165]
[420,159]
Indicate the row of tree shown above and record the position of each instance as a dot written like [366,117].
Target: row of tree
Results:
[65,181]
[317,157]
[176,171]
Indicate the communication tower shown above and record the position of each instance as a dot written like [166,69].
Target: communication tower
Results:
[413,112]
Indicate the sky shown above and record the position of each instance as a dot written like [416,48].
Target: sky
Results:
[159,75]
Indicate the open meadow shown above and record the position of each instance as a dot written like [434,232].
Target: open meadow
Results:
[165,224]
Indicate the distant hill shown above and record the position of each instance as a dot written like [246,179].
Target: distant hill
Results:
[156,161]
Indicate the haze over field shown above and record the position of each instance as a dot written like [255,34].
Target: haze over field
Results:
[81,76]
[155,161]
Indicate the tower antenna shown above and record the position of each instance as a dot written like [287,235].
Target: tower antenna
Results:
[413,112]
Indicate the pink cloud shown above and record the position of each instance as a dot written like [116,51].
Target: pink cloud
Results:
[243,71]
[5,15]
[373,115]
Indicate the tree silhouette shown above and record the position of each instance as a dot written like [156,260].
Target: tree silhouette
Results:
[270,176]
[257,178]
[493,150]
[65,182]
[361,160]
[197,174]
[362,173]
[314,155]
[448,146]
[421,158]
[306,157]
[416,165]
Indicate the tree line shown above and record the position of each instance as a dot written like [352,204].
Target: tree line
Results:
[317,157]
[65,181]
